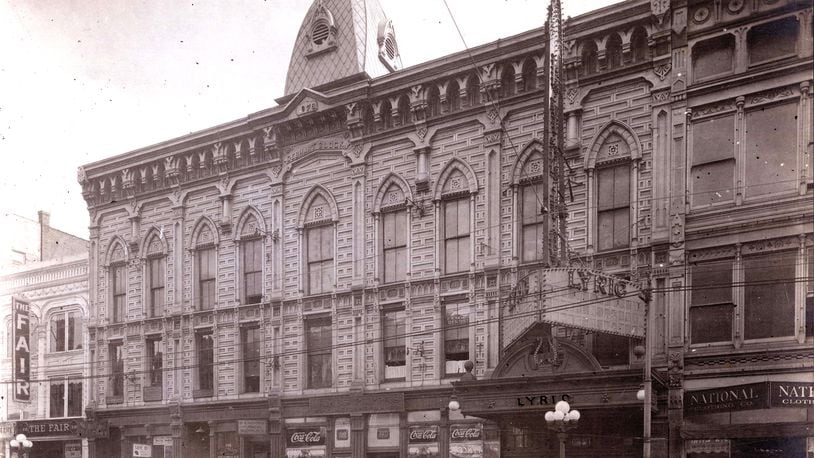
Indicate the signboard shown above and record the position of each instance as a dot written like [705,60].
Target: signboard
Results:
[466,450]
[305,436]
[465,433]
[580,298]
[423,451]
[142,450]
[251,427]
[762,395]
[315,452]
[356,403]
[21,311]
[49,428]
[465,441]
[6,430]
[73,450]
[166,441]
[423,434]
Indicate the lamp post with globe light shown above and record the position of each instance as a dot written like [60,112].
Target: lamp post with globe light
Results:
[562,419]
[20,445]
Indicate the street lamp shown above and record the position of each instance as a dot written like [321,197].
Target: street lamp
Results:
[21,445]
[561,420]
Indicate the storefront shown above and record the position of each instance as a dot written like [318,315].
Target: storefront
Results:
[758,419]
[53,438]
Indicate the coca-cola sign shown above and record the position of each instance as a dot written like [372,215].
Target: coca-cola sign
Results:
[306,437]
[423,434]
[461,433]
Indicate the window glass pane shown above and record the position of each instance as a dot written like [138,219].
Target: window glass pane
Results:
[74,331]
[58,332]
[610,349]
[394,330]
[771,150]
[75,399]
[318,334]
[450,219]
[117,370]
[155,362]
[711,283]
[57,399]
[205,360]
[712,183]
[769,295]
[621,186]
[773,40]
[712,323]
[327,237]
[532,242]
[604,230]
[713,57]
[621,227]
[251,359]
[604,190]
[456,332]
[713,140]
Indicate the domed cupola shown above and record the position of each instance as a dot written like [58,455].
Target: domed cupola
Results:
[342,40]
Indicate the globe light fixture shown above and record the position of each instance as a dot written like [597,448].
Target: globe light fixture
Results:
[561,420]
[20,445]
[454,405]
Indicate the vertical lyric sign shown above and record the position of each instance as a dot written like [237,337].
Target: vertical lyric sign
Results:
[22,354]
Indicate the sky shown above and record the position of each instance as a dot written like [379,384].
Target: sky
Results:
[82,80]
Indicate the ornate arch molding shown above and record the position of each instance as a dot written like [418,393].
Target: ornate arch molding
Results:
[535,146]
[391,179]
[203,222]
[312,194]
[245,217]
[452,166]
[613,127]
[71,303]
[147,241]
[116,241]
[520,360]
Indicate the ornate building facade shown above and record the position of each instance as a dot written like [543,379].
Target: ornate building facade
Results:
[313,278]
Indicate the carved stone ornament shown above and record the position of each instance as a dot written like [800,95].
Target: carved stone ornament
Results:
[662,71]
[661,96]
[659,8]
[700,15]
[735,6]
[572,94]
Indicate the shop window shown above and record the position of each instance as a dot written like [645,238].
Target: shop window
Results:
[206,258]
[394,332]
[713,161]
[613,51]
[611,350]
[456,337]
[66,331]
[119,287]
[810,294]
[711,306]
[116,358]
[394,243]
[65,398]
[533,221]
[251,341]
[205,346]
[228,444]
[713,57]
[320,248]
[155,361]
[771,150]
[613,207]
[156,268]
[769,295]
[318,344]
[252,269]
[456,235]
[773,40]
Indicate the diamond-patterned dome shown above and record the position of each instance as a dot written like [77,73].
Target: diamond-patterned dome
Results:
[339,39]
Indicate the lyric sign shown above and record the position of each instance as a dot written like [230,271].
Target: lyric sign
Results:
[22,350]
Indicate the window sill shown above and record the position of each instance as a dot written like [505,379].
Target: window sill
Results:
[109,400]
[65,352]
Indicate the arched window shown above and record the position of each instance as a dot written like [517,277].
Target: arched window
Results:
[507,84]
[65,330]
[638,45]
[588,58]
[473,91]
[117,283]
[394,231]
[404,111]
[251,260]
[454,190]
[433,101]
[454,96]
[529,75]
[533,210]
[613,51]
[156,276]
[319,246]
[206,266]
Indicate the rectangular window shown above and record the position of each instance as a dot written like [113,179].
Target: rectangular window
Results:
[713,57]
[116,355]
[456,337]
[394,330]
[394,242]
[251,340]
[61,405]
[713,161]
[252,263]
[119,292]
[613,207]
[611,350]
[769,295]
[320,247]
[204,344]
[771,150]
[711,306]
[66,331]
[207,272]
[456,235]
[156,268]
[155,361]
[773,40]
[319,342]
[533,221]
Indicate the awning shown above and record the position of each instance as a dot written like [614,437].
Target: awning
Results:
[738,431]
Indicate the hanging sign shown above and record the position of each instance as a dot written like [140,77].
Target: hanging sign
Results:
[21,311]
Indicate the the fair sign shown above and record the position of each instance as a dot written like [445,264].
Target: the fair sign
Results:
[22,353]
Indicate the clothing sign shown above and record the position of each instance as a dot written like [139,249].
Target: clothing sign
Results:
[22,353]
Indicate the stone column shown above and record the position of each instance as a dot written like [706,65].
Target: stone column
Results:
[443,434]
[213,440]
[358,444]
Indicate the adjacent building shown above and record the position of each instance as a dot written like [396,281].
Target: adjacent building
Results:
[48,273]
[323,277]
